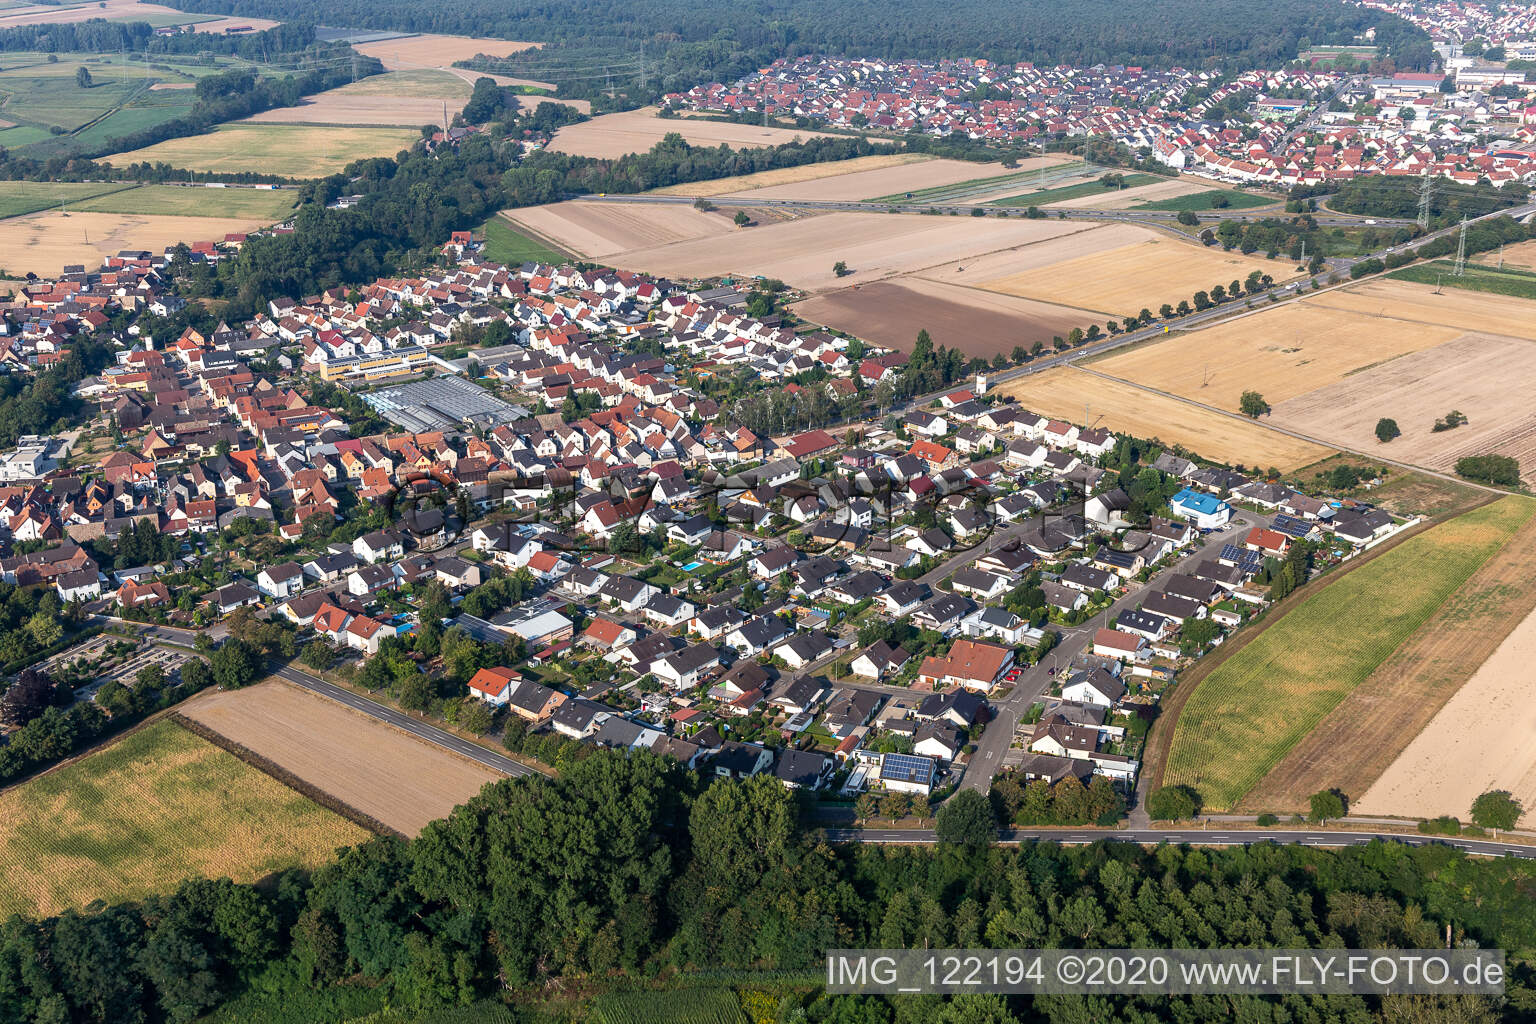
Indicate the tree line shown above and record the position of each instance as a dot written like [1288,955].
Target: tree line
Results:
[625,867]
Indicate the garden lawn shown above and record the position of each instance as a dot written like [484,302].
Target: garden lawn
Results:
[1248,713]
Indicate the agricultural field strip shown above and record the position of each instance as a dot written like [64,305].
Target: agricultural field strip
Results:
[989,183]
[1360,738]
[1484,738]
[1486,377]
[380,771]
[158,805]
[1229,735]
[18,198]
[1070,392]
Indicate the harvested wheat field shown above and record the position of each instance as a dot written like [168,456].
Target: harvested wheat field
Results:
[1455,307]
[294,151]
[1281,353]
[1070,393]
[1521,256]
[602,229]
[431,51]
[112,10]
[367,765]
[1483,738]
[1125,198]
[45,243]
[751,185]
[140,815]
[1359,739]
[874,245]
[1488,378]
[635,131]
[1157,269]
[405,98]
[890,313]
[978,271]
[898,180]
[219,26]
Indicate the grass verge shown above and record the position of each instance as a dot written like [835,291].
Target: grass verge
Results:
[1202,201]
[1476,277]
[1087,188]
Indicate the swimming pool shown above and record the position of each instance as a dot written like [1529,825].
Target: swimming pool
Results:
[691,566]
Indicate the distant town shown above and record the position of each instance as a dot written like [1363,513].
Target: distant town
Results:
[1306,124]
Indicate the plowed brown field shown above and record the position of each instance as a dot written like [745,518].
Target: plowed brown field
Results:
[383,772]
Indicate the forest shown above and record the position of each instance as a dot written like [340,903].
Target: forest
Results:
[628,868]
[655,46]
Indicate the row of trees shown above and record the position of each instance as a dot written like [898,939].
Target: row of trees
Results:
[633,865]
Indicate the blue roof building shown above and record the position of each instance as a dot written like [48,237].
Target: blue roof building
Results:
[1206,511]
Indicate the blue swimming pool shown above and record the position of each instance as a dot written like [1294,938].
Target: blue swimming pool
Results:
[692,566]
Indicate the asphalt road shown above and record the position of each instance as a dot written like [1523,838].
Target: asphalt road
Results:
[996,740]
[400,720]
[1194,837]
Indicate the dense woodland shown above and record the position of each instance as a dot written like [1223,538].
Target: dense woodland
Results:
[659,45]
[627,867]
[97,35]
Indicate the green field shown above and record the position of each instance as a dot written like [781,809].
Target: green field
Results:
[505,244]
[142,814]
[185,201]
[1475,277]
[684,1006]
[23,197]
[1202,201]
[45,95]
[52,114]
[1086,188]
[960,189]
[1248,713]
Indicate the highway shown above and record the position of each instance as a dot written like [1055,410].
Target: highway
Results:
[400,720]
[1192,836]
[917,207]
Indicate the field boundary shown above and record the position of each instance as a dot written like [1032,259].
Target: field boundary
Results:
[537,236]
[104,743]
[1236,732]
[276,771]
[1393,683]
[1159,737]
